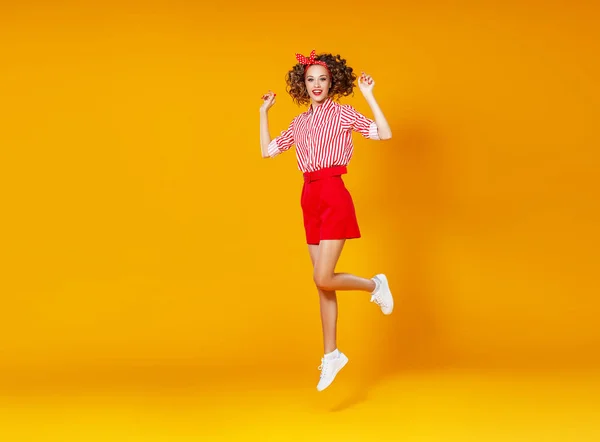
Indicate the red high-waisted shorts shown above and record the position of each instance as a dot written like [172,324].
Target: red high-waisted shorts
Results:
[327,206]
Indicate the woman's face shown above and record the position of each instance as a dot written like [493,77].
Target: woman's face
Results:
[317,82]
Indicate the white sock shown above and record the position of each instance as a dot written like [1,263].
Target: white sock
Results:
[334,354]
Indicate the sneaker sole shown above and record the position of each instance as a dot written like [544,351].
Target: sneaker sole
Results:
[387,286]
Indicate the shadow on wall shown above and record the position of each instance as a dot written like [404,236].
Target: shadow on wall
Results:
[412,205]
[408,197]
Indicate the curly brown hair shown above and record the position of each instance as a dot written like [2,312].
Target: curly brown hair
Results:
[342,79]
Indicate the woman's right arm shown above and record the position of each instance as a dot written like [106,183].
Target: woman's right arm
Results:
[265,135]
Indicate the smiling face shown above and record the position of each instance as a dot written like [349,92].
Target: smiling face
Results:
[318,83]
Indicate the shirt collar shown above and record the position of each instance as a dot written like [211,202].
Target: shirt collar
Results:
[327,104]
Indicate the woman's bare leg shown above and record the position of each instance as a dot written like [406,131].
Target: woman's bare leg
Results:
[329,309]
[329,252]
[324,258]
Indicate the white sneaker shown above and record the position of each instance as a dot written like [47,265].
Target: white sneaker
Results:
[382,295]
[329,369]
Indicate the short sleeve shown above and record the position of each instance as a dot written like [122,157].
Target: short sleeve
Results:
[282,142]
[354,120]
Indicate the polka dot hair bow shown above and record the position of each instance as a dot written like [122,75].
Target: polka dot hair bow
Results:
[310,60]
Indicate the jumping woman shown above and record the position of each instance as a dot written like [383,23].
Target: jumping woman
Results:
[323,139]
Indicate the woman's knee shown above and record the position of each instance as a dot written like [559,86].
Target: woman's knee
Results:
[323,280]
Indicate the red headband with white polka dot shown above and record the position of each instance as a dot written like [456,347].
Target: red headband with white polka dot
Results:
[310,61]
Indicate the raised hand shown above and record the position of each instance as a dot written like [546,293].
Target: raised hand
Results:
[268,100]
[366,84]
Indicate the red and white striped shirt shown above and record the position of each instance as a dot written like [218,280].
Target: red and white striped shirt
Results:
[323,137]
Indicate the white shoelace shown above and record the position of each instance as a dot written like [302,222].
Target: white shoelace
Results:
[324,367]
[375,296]
[379,301]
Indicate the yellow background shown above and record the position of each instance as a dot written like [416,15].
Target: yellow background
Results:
[140,225]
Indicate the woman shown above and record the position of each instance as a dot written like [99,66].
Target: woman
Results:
[323,139]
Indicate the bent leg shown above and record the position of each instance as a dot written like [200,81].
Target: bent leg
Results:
[325,277]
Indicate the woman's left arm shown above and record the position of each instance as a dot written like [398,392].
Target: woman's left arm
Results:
[366,84]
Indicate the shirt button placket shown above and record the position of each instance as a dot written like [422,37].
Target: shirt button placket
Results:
[311,156]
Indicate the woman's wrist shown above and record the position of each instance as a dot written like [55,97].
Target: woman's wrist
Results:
[369,96]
